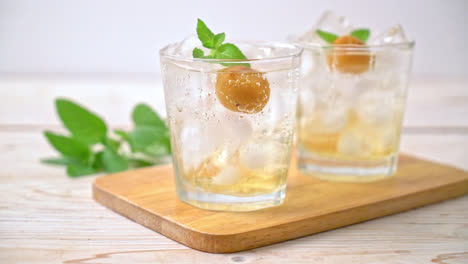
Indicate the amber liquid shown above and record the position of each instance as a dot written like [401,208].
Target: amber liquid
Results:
[228,175]
[358,140]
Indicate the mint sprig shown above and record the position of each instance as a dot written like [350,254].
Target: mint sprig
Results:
[91,148]
[218,50]
[362,34]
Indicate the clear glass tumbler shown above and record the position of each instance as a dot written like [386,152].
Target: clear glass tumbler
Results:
[232,125]
[350,110]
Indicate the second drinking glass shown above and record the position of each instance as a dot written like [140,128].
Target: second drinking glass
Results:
[351,109]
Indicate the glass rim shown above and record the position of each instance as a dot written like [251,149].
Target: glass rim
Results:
[296,51]
[351,47]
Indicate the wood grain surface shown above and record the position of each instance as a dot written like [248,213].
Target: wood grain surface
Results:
[46,217]
[148,196]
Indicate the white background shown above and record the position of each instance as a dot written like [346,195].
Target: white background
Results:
[123,37]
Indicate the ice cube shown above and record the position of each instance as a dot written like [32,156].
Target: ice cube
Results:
[375,107]
[387,140]
[352,142]
[237,127]
[308,63]
[185,48]
[227,176]
[262,154]
[194,146]
[307,102]
[334,118]
[388,61]
[332,88]
[369,83]
[394,35]
[345,87]
[200,139]
[329,22]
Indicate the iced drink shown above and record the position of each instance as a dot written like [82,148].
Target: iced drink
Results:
[352,100]
[231,123]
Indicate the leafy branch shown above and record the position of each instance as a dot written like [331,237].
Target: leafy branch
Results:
[91,148]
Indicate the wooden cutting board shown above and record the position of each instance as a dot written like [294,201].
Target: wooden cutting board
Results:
[148,197]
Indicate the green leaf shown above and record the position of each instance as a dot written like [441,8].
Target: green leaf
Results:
[362,34]
[219,39]
[327,36]
[68,146]
[83,125]
[98,164]
[157,150]
[121,133]
[205,35]
[198,53]
[79,170]
[62,161]
[142,137]
[139,163]
[229,51]
[143,115]
[113,144]
[113,162]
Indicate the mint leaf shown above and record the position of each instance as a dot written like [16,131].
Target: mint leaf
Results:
[98,163]
[142,137]
[83,125]
[327,36]
[79,170]
[113,144]
[68,146]
[143,115]
[139,163]
[121,133]
[230,51]
[113,162]
[205,35]
[150,129]
[362,34]
[198,53]
[157,150]
[62,161]
[219,39]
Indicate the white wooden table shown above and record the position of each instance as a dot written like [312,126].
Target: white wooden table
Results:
[46,217]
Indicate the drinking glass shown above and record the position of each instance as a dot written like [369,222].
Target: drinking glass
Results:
[232,125]
[350,110]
